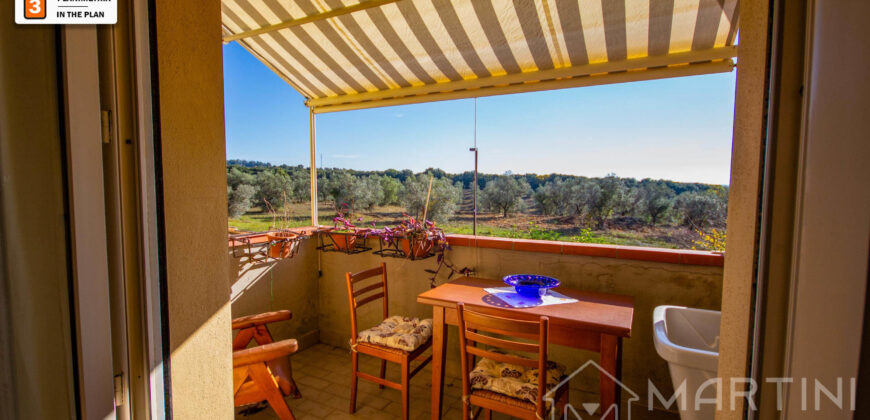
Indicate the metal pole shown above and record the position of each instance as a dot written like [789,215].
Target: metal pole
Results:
[474,222]
[313,147]
[474,186]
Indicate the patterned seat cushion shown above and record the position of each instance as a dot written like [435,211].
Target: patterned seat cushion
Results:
[398,332]
[513,381]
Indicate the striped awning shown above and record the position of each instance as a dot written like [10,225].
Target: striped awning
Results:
[347,54]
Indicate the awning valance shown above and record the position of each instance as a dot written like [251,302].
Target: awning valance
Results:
[347,54]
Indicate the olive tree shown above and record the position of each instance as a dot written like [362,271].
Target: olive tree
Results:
[550,197]
[626,200]
[352,192]
[702,209]
[239,199]
[656,200]
[368,192]
[275,187]
[236,177]
[504,194]
[593,199]
[300,185]
[391,188]
[443,202]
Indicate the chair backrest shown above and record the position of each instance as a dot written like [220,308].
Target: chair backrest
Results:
[473,322]
[366,294]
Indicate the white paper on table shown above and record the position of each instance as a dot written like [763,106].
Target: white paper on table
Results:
[510,296]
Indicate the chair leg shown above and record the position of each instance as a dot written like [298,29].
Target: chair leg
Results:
[406,386]
[383,372]
[466,410]
[487,414]
[266,382]
[281,408]
[353,380]
[564,403]
[294,389]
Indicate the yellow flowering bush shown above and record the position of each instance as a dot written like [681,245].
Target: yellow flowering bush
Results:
[713,241]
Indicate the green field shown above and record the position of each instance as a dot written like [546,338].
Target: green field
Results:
[525,226]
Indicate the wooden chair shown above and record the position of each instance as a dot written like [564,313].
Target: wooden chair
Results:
[403,357]
[263,373]
[471,323]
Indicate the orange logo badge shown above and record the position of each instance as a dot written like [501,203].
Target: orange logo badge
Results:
[34,9]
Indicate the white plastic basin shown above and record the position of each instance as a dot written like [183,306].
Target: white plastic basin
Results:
[688,339]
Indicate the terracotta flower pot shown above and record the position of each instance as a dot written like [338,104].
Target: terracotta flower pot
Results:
[282,244]
[343,241]
[418,247]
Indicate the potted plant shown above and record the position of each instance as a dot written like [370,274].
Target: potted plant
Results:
[414,240]
[344,234]
[344,237]
[417,239]
[283,243]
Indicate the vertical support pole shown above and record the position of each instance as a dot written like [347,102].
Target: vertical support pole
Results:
[313,147]
[474,187]
[474,190]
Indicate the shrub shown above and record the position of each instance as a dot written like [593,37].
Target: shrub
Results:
[713,241]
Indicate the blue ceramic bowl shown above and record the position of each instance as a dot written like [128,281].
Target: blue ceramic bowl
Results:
[531,285]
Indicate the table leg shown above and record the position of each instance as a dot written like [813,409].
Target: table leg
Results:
[619,371]
[610,395]
[439,344]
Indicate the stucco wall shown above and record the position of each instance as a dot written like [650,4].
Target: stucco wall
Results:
[286,284]
[194,190]
[743,201]
[650,283]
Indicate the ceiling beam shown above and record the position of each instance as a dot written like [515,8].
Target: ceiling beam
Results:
[308,19]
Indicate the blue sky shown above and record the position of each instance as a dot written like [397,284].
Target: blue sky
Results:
[678,129]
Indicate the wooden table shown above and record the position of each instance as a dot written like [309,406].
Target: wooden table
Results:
[598,322]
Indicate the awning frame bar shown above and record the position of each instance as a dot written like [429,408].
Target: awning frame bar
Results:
[313,182]
[721,66]
[652,62]
[308,19]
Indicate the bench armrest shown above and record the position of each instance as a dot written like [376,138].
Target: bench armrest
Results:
[264,353]
[260,319]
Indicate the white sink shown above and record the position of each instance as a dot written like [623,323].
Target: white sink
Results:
[688,339]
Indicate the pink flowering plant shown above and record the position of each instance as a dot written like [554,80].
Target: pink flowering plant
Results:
[419,239]
[341,222]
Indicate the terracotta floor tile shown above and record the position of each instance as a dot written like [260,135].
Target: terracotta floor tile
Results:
[323,375]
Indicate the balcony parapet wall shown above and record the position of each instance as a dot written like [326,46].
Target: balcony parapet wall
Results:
[313,282]
[663,255]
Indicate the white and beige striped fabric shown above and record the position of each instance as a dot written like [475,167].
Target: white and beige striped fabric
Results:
[351,54]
